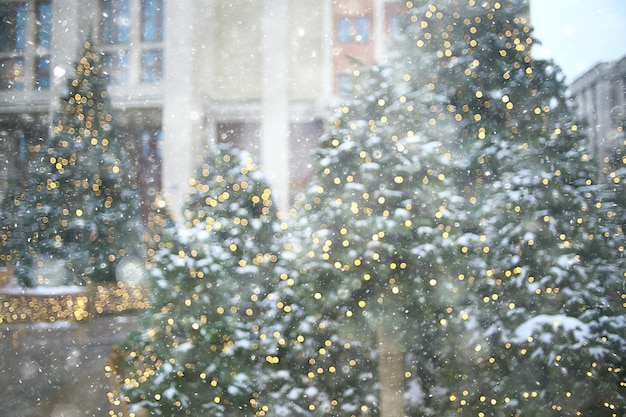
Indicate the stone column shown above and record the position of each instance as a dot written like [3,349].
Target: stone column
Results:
[275,100]
[182,116]
[327,50]
[379,31]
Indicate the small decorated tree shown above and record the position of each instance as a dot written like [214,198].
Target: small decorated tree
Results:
[203,350]
[76,206]
[376,246]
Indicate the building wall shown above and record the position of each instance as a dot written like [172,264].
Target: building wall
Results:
[220,83]
[600,97]
[350,39]
[257,73]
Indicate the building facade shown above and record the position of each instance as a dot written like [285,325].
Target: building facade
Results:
[189,73]
[600,97]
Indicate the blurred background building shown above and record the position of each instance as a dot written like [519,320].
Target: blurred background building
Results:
[600,96]
[259,74]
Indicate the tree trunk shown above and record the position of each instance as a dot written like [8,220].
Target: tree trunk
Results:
[390,376]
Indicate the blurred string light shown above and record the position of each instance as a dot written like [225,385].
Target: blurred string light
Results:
[77,305]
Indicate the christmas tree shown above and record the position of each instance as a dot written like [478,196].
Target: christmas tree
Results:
[455,215]
[547,266]
[76,204]
[204,349]
[377,230]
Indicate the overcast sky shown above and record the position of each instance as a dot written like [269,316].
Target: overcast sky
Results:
[578,34]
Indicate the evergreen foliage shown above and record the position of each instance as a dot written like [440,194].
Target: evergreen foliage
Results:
[373,262]
[509,282]
[76,204]
[204,348]
[547,268]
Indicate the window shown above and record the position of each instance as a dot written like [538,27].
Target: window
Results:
[42,72]
[116,25]
[152,38]
[151,66]
[16,144]
[13,27]
[12,45]
[115,38]
[44,27]
[12,73]
[116,65]
[24,48]
[395,24]
[351,29]
[133,52]
[44,37]
[152,22]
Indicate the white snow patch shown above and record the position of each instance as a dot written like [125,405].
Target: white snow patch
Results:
[61,324]
[311,392]
[185,347]
[559,322]
[44,290]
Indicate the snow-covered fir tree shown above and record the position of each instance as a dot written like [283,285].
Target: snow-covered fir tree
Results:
[204,350]
[485,249]
[546,264]
[76,203]
[376,251]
